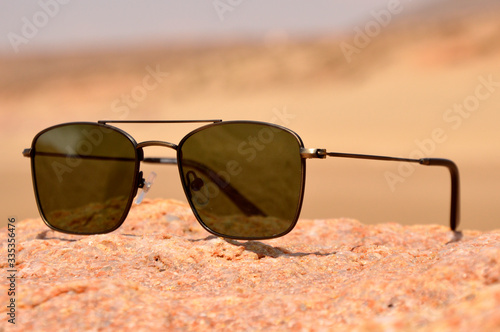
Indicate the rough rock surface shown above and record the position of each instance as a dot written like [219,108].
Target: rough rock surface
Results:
[162,271]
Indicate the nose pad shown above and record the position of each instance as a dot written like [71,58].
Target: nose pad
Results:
[146,187]
[196,183]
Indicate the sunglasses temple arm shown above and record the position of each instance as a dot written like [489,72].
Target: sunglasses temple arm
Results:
[450,165]
[232,193]
[169,161]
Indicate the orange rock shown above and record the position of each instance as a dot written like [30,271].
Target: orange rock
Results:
[164,272]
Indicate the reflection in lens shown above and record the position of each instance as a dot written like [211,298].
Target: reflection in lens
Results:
[251,175]
[84,177]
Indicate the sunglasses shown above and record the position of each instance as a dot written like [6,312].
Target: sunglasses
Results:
[243,179]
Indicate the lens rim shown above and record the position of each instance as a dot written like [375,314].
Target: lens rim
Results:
[137,176]
[186,190]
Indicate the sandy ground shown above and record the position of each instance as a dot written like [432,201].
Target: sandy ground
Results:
[388,100]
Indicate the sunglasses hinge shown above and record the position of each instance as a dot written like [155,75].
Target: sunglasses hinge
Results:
[312,153]
[27,153]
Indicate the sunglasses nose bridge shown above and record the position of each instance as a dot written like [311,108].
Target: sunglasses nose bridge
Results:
[157,143]
[142,145]
[146,184]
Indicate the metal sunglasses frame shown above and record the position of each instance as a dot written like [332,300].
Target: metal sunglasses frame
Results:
[238,199]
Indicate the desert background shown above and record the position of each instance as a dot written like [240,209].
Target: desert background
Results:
[387,98]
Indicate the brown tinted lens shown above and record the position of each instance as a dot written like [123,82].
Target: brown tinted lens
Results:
[84,177]
[243,180]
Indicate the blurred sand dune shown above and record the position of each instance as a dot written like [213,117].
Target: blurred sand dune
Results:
[393,93]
